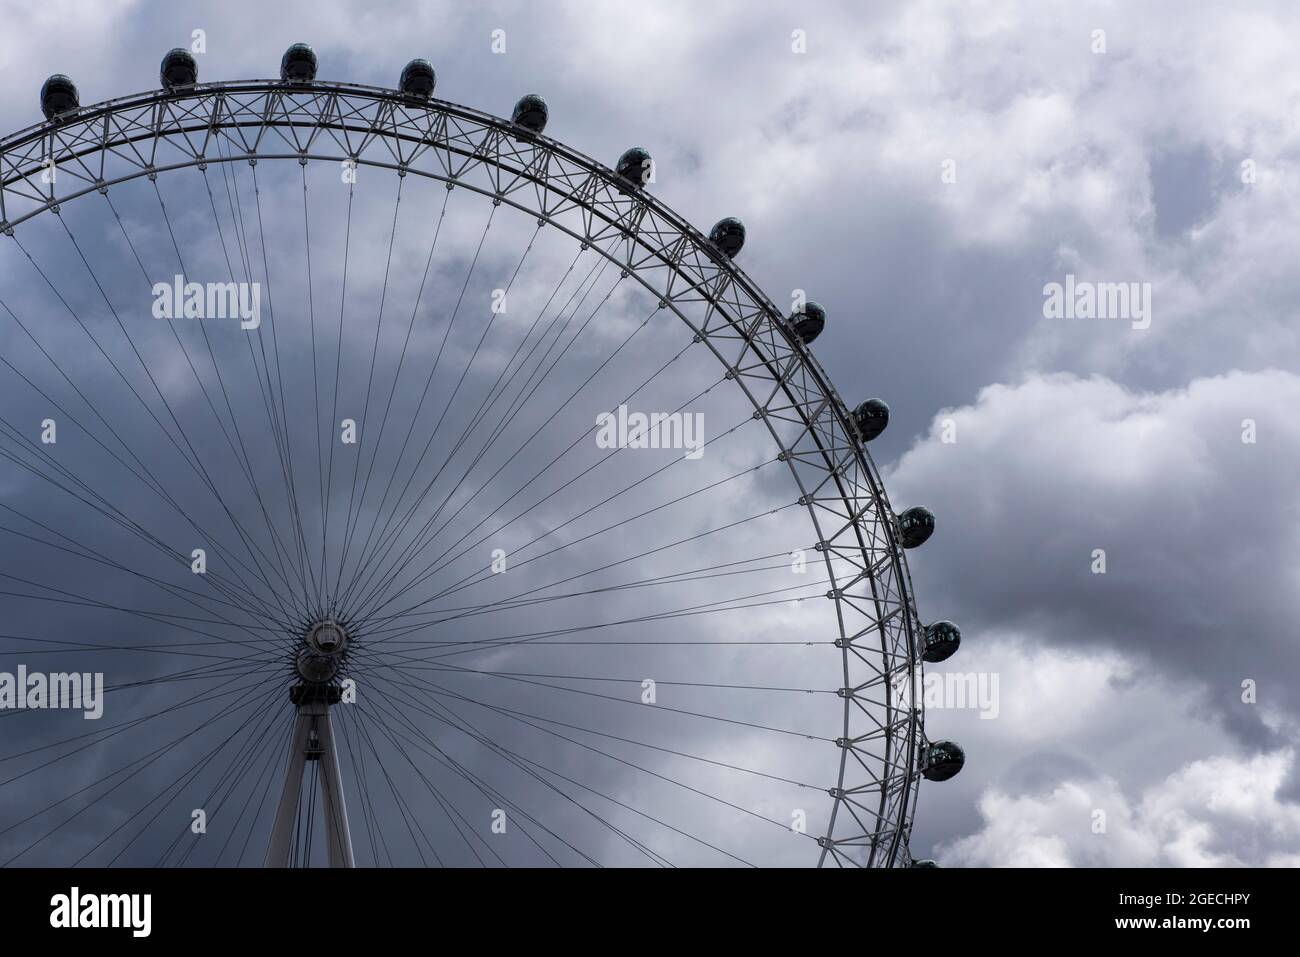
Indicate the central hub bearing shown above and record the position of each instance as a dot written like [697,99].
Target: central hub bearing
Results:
[322,651]
[328,637]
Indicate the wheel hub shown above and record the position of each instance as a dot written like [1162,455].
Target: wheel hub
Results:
[322,652]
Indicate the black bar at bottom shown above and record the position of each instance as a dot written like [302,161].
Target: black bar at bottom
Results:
[936,907]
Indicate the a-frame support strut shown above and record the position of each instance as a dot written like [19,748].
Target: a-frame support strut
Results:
[313,740]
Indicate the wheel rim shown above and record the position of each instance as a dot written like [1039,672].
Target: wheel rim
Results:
[103,147]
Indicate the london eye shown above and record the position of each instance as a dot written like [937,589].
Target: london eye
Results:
[426,492]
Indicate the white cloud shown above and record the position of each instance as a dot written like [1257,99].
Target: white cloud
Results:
[1196,525]
[1217,812]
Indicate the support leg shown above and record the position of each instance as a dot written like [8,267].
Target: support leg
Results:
[334,804]
[312,735]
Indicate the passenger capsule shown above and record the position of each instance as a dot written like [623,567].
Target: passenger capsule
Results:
[418,79]
[871,417]
[58,96]
[941,760]
[530,113]
[915,526]
[941,640]
[298,65]
[924,862]
[809,321]
[729,236]
[178,69]
[636,166]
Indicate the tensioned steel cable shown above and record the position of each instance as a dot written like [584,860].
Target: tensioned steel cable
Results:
[707,608]
[644,848]
[304,551]
[660,708]
[437,564]
[281,550]
[386,538]
[115,729]
[467,582]
[234,201]
[469,364]
[265,774]
[472,579]
[450,718]
[507,418]
[522,599]
[441,562]
[445,760]
[458,821]
[255,720]
[315,372]
[428,684]
[248,543]
[148,478]
[144,272]
[148,759]
[73,547]
[112,513]
[374,355]
[72,598]
[171,412]
[429,381]
[368,813]
[349,525]
[690,538]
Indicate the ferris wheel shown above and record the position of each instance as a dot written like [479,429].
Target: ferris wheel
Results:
[420,491]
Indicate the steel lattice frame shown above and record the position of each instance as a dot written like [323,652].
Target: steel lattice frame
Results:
[879,630]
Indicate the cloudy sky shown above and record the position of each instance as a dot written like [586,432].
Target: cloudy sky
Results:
[925,170]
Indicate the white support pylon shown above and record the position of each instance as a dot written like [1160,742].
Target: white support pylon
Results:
[313,739]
